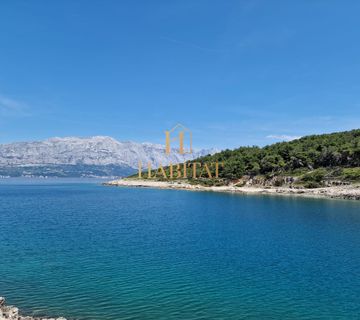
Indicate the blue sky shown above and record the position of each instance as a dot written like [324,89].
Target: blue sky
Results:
[235,72]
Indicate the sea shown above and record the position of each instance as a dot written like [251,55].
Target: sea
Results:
[78,249]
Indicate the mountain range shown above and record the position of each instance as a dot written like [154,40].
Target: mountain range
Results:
[85,157]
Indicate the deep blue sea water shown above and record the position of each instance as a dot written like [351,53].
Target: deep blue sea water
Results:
[86,251]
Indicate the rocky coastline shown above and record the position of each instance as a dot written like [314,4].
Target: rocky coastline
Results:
[12,313]
[350,192]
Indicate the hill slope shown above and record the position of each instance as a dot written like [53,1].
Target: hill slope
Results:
[311,162]
[313,158]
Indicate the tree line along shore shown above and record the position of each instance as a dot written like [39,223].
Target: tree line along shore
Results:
[316,165]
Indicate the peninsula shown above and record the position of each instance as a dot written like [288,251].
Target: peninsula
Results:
[326,165]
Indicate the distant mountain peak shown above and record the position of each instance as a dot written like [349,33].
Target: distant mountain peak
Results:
[88,151]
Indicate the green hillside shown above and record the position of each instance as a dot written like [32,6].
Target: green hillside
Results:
[311,161]
[313,158]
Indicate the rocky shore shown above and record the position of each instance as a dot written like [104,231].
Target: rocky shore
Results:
[351,192]
[12,313]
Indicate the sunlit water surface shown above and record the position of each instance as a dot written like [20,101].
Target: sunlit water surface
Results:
[86,251]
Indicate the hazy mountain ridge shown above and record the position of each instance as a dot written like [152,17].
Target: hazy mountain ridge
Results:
[83,156]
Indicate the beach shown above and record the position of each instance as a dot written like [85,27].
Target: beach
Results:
[351,192]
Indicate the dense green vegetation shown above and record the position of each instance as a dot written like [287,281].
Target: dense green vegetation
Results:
[311,159]
[311,152]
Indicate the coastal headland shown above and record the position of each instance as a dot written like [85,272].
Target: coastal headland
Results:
[351,192]
[326,165]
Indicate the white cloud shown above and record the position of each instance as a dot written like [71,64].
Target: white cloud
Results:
[11,107]
[282,137]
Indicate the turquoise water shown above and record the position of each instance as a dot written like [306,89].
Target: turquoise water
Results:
[86,251]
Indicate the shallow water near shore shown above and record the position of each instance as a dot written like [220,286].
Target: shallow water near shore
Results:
[85,251]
